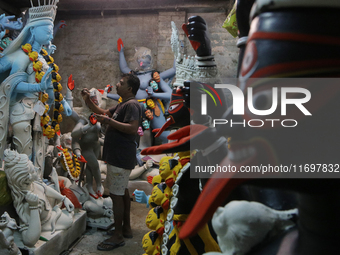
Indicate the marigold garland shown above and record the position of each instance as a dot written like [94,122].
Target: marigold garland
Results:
[69,164]
[49,127]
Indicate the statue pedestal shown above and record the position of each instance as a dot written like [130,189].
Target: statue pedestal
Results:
[104,223]
[59,241]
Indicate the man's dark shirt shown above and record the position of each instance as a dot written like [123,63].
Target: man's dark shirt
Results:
[120,148]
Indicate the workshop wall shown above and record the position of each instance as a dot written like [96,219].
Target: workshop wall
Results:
[87,46]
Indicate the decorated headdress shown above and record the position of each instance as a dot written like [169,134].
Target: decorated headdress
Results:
[13,158]
[46,11]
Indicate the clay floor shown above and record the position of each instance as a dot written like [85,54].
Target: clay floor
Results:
[88,244]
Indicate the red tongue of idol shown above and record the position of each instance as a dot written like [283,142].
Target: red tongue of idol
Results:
[168,122]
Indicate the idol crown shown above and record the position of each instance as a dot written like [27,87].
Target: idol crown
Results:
[48,10]
[190,67]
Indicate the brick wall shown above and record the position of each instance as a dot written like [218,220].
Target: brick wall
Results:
[87,46]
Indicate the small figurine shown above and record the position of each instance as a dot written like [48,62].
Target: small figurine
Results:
[149,115]
[160,196]
[154,85]
[7,228]
[152,243]
[146,124]
[155,219]
[169,168]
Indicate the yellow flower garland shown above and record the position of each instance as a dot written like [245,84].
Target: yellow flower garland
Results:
[68,164]
[49,130]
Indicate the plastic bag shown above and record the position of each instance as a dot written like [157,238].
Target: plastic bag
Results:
[230,23]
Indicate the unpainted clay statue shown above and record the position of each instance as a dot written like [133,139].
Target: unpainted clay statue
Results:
[56,156]
[7,228]
[95,208]
[66,140]
[31,199]
[86,142]
[241,225]
[30,70]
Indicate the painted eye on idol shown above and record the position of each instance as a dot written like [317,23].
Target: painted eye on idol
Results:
[173,107]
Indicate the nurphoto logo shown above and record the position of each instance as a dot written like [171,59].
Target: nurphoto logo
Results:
[277,98]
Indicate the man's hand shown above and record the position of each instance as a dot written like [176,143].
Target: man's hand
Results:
[102,118]
[85,93]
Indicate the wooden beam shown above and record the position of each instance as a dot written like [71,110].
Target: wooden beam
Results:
[104,5]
